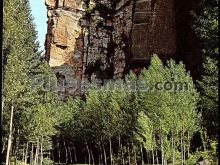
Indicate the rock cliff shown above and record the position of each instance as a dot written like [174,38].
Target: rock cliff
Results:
[98,40]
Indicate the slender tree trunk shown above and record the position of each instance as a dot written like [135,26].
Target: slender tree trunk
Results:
[32,154]
[135,154]
[74,150]
[135,157]
[148,157]
[157,157]
[188,139]
[58,150]
[119,145]
[16,156]
[153,156]
[165,159]
[142,156]
[17,146]
[93,161]
[70,154]
[10,136]
[129,155]
[26,153]
[66,152]
[122,154]
[100,149]
[2,113]
[123,158]
[110,149]
[181,139]
[23,154]
[173,149]
[41,151]
[162,152]
[3,146]
[105,157]
[36,154]
[87,147]
[184,148]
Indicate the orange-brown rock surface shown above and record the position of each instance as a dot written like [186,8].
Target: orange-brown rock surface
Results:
[102,39]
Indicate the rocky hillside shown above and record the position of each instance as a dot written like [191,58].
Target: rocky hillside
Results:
[98,40]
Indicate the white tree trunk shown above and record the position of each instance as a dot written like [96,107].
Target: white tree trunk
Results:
[87,147]
[184,148]
[70,154]
[105,156]
[2,109]
[23,155]
[181,139]
[142,156]
[100,151]
[36,153]
[135,157]
[153,156]
[26,154]
[157,158]
[41,151]
[66,151]
[129,155]
[17,146]
[188,149]
[110,148]
[162,152]
[10,136]
[32,154]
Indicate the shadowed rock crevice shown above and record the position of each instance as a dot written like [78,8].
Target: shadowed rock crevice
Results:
[188,45]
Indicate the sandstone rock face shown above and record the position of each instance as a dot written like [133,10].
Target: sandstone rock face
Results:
[100,40]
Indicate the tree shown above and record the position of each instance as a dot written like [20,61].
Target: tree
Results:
[19,40]
[169,104]
[206,27]
[145,134]
[21,65]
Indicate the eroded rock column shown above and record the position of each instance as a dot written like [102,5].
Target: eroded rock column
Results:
[63,43]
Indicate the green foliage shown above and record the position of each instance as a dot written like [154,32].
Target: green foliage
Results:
[210,155]
[109,109]
[206,27]
[47,161]
[18,162]
[167,113]
[36,105]
[119,117]
[145,134]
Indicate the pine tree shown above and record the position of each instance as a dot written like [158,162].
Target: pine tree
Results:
[21,66]
[206,27]
[18,47]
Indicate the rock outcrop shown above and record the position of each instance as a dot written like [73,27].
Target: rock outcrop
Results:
[97,40]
